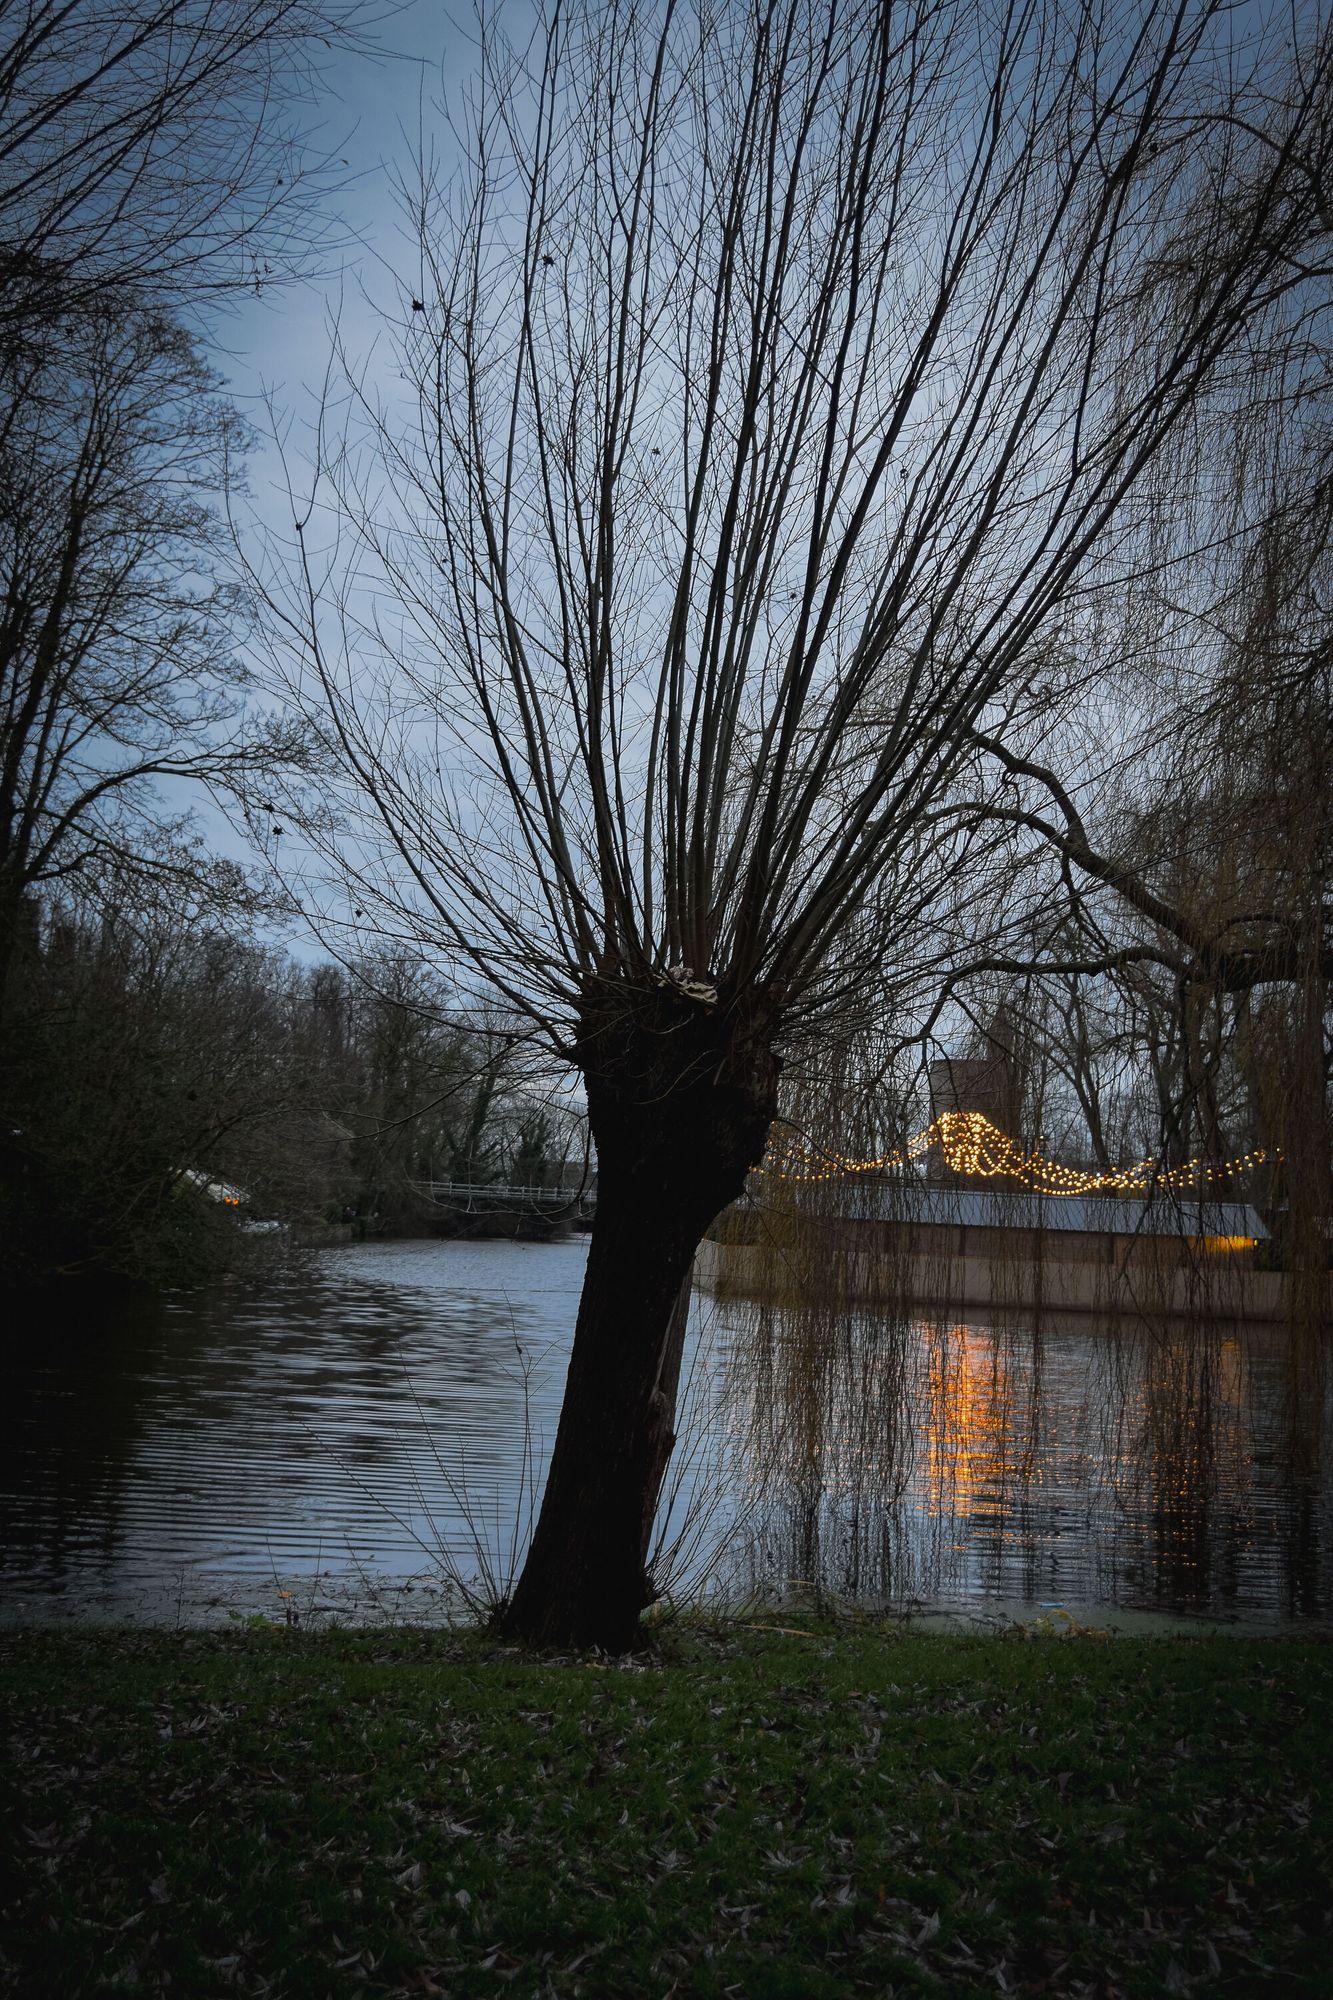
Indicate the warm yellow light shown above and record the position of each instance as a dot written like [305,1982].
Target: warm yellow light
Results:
[972,1145]
[1218,1245]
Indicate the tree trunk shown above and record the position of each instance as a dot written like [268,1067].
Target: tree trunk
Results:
[662,1419]
[20,920]
[680,1097]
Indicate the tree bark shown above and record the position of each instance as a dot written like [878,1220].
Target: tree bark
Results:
[662,1418]
[681,1094]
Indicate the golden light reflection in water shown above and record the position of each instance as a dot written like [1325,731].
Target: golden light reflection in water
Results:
[908,1457]
[969,1417]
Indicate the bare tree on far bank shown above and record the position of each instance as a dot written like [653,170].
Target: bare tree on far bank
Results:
[774,380]
[176,1082]
[156,161]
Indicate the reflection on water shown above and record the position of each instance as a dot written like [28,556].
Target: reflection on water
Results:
[342,1423]
[1167,1469]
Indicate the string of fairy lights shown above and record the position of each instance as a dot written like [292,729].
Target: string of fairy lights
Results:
[973,1146]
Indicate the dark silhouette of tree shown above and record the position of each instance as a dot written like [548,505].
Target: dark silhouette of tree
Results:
[153,160]
[776,376]
[162,1060]
[117,662]
[157,148]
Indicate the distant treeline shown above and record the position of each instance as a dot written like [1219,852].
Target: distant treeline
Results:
[154,1071]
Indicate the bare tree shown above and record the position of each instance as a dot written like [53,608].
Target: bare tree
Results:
[1206,818]
[117,660]
[774,376]
[157,146]
[152,158]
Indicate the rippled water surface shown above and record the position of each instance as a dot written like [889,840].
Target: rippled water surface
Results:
[343,1419]
[319,1444]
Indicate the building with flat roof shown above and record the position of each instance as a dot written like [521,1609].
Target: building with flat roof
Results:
[1097,1229]
[907,1244]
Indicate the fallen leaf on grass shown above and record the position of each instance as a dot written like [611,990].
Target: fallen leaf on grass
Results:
[499,1960]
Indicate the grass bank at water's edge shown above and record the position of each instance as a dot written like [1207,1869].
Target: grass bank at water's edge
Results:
[747,1810]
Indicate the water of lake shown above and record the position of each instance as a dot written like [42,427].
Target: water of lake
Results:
[349,1438]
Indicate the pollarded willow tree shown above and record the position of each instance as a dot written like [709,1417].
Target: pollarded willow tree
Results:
[776,377]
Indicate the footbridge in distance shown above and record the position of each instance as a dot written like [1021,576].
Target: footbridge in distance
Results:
[569,1204]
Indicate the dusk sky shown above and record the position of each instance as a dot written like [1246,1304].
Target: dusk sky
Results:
[273,350]
[372,109]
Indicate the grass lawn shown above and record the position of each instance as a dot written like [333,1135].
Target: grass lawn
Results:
[741,1811]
